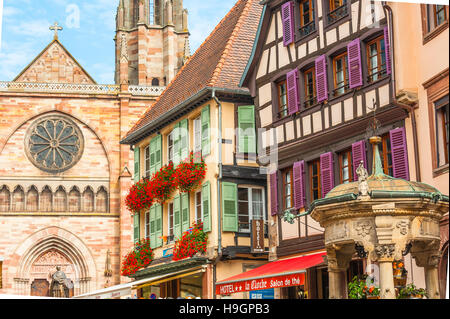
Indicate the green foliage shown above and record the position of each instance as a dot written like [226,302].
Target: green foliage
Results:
[411,290]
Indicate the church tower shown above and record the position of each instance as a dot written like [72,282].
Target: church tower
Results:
[152,41]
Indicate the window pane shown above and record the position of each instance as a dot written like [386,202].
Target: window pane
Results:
[243,209]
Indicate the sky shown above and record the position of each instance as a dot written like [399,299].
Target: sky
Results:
[89,30]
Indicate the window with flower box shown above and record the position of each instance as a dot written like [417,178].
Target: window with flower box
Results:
[147,225]
[198,207]
[337,9]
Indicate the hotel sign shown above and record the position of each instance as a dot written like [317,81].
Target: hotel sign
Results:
[261,283]
[257,236]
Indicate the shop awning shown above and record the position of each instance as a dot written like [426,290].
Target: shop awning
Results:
[124,290]
[276,274]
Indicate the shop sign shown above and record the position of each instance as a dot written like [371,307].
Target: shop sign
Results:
[262,294]
[261,284]
[257,236]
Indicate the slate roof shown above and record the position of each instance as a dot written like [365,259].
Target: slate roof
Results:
[218,63]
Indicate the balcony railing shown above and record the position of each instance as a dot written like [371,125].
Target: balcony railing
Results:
[108,89]
[307,29]
[337,13]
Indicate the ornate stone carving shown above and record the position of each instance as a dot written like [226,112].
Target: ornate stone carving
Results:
[385,251]
[363,228]
[336,231]
[363,186]
[403,225]
[54,143]
[429,227]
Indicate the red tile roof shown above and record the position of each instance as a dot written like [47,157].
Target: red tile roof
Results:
[219,62]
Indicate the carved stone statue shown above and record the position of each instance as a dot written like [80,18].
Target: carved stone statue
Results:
[60,286]
[362,173]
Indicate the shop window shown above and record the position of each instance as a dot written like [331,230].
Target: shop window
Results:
[340,74]
[309,77]
[442,130]
[345,167]
[337,9]
[314,180]
[250,207]
[376,59]
[288,184]
[282,99]
[307,21]
[386,154]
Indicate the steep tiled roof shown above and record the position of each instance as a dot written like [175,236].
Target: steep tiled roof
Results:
[219,62]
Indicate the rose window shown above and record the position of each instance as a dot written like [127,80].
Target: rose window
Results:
[54,144]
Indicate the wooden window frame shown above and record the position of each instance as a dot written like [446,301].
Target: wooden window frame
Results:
[385,153]
[284,184]
[436,30]
[343,56]
[348,153]
[335,14]
[310,101]
[170,222]
[310,12]
[311,177]
[332,6]
[250,206]
[436,87]
[381,68]
[281,110]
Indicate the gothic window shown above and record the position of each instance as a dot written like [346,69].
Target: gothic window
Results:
[32,199]
[54,143]
[155,82]
[18,200]
[101,203]
[157,12]
[60,200]
[74,200]
[46,200]
[151,14]
[4,199]
[88,200]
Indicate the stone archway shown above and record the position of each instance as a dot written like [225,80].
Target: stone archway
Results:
[38,256]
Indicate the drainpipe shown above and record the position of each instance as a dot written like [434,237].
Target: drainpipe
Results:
[409,108]
[219,195]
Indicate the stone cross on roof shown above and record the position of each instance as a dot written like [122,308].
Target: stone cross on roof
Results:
[56,27]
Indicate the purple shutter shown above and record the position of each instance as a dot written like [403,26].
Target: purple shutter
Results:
[287,18]
[299,185]
[326,173]
[399,152]
[387,50]
[321,78]
[274,193]
[358,155]
[354,64]
[292,91]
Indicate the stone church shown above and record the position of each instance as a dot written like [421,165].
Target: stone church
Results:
[63,173]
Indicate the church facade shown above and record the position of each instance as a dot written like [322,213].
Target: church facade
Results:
[63,173]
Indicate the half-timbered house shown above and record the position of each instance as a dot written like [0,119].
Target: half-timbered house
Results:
[320,75]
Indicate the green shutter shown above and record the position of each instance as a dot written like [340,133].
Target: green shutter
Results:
[155,154]
[176,144]
[159,226]
[206,147]
[230,207]
[152,227]
[185,216]
[177,217]
[184,140]
[247,130]
[136,164]
[206,206]
[136,227]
